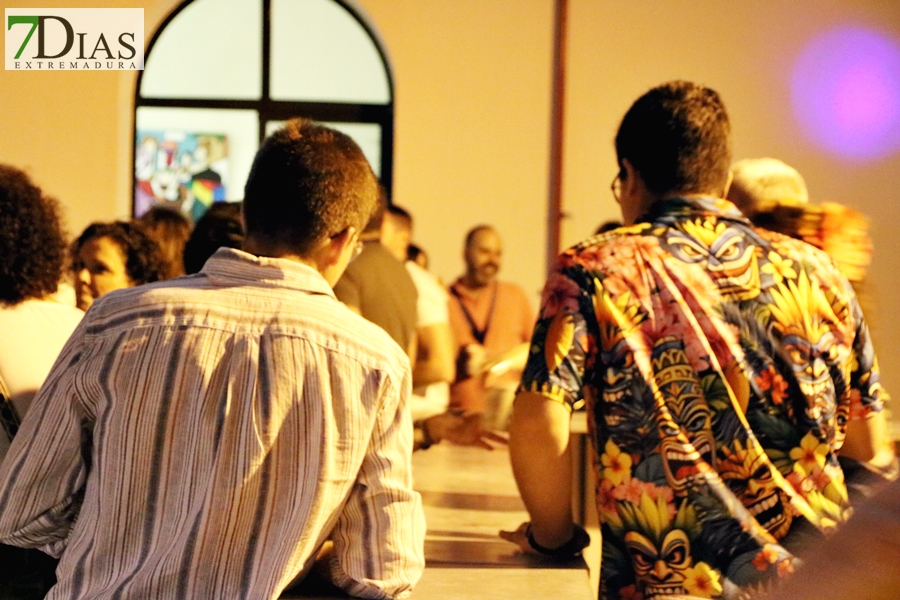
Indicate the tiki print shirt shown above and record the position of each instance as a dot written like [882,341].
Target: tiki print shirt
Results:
[719,364]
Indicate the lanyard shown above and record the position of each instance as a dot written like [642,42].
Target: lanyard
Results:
[478,333]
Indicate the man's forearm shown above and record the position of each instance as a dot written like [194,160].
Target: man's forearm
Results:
[541,461]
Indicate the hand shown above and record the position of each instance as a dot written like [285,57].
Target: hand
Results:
[469,430]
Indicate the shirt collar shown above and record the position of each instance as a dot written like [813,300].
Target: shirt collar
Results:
[236,266]
[693,206]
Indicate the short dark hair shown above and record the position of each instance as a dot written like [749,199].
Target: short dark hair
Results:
[402,215]
[678,138]
[307,182]
[220,226]
[413,252]
[170,229]
[32,240]
[144,262]
[376,218]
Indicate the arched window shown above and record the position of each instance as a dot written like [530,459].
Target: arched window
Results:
[220,75]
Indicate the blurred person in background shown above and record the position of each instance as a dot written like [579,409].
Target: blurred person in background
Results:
[378,287]
[34,329]
[434,365]
[111,256]
[773,196]
[492,322]
[418,255]
[170,230]
[220,227]
[762,184]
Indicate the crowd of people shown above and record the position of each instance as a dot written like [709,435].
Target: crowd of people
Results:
[243,394]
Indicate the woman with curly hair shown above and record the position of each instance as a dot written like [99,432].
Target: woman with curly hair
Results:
[34,329]
[111,256]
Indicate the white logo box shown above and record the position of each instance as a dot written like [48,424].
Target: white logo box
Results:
[74,39]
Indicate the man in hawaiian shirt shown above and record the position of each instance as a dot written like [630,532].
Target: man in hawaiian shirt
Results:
[723,368]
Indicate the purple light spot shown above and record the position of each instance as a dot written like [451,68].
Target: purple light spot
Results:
[845,92]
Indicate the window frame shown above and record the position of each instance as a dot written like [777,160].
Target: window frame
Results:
[268,109]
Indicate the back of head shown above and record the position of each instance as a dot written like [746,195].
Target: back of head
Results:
[396,231]
[32,242]
[417,255]
[401,217]
[144,262]
[219,227]
[376,218]
[761,184]
[678,138]
[308,182]
[170,230]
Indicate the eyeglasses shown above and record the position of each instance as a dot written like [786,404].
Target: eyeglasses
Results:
[616,187]
[357,249]
[358,243]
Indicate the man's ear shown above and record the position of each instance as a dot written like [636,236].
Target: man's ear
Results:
[632,180]
[335,246]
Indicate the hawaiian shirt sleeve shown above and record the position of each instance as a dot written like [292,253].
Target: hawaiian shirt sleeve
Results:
[866,392]
[561,346]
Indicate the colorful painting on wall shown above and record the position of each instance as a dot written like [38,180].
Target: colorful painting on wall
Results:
[180,170]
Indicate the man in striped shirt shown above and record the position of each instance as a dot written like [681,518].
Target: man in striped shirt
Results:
[203,437]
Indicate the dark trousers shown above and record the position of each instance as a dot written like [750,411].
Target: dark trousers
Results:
[25,574]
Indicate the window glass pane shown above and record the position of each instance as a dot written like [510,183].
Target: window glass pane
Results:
[320,52]
[182,150]
[211,49]
[366,135]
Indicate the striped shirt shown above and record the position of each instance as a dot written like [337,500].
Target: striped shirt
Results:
[203,437]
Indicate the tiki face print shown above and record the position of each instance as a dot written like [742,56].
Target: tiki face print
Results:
[723,251]
[747,472]
[658,539]
[660,567]
[626,400]
[691,418]
[804,320]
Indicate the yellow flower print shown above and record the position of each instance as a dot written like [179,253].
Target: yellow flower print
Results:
[702,581]
[616,464]
[811,453]
[779,268]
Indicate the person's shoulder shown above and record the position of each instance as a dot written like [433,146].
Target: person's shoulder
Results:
[121,307]
[618,235]
[364,341]
[510,288]
[47,307]
[610,250]
[425,282]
